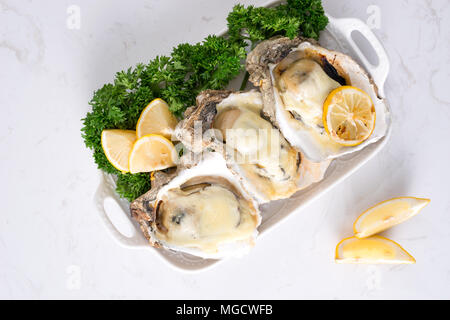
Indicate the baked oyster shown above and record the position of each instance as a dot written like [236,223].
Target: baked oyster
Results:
[200,209]
[232,124]
[295,77]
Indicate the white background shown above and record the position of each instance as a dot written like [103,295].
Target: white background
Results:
[52,242]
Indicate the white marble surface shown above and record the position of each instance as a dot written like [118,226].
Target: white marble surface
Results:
[52,243]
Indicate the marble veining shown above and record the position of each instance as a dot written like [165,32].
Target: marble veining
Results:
[53,245]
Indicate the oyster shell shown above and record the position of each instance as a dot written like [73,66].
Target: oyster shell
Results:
[295,77]
[233,125]
[200,209]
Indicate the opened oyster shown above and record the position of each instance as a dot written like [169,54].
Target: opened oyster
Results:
[200,209]
[232,124]
[295,77]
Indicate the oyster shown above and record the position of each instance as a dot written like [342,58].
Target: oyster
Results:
[232,124]
[200,209]
[295,77]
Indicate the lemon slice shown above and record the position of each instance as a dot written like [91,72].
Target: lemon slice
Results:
[152,152]
[387,214]
[348,116]
[156,118]
[373,250]
[117,145]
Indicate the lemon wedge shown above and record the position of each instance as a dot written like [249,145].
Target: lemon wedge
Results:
[156,118]
[387,214]
[152,152]
[372,250]
[117,145]
[349,116]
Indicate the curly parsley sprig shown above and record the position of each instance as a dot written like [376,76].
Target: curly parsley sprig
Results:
[296,17]
[189,69]
[177,79]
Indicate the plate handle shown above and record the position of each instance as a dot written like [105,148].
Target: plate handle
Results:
[379,72]
[104,191]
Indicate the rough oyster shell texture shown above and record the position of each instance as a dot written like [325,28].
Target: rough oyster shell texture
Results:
[211,166]
[260,63]
[268,54]
[205,112]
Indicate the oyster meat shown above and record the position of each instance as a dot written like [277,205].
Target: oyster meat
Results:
[201,209]
[249,148]
[233,125]
[295,77]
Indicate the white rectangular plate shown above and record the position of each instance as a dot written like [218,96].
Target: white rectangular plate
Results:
[337,36]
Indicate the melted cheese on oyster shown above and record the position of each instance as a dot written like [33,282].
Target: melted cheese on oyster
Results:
[204,216]
[303,87]
[269,163]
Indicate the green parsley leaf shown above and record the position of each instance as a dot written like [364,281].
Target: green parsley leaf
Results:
[189,69]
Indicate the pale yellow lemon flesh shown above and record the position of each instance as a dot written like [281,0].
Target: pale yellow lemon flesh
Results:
[372,250]
[152,152]
[387,214]
[156,118]
[117,145]
[349,116]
